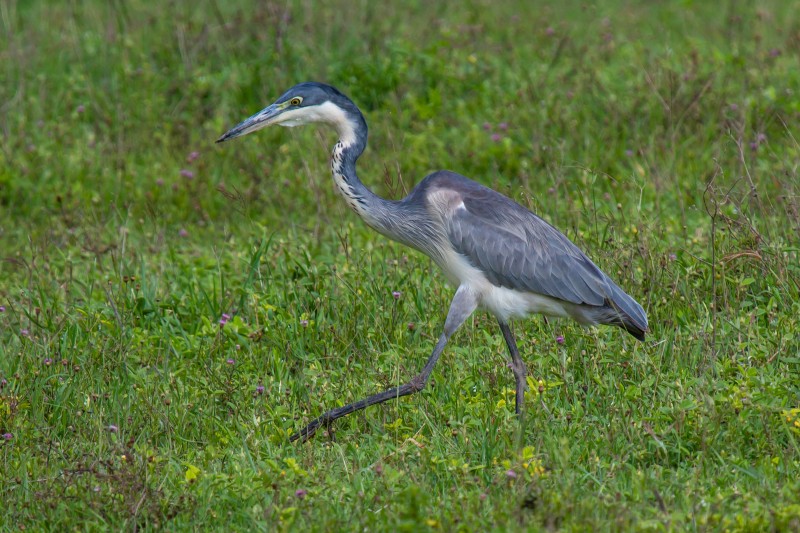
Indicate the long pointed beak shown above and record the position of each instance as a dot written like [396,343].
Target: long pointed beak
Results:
[262,119]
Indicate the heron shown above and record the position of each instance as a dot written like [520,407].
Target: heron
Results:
[499,256]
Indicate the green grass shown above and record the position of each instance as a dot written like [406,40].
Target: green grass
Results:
[660,136]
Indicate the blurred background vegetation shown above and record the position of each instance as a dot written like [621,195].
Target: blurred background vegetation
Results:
[660,136]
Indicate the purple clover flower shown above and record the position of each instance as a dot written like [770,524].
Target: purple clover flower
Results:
[510,474]
[396,295]
[230,361]
[186,173]
[300,493]
[8,436]
[194,154]
[112,428]
[560,339]
[259,389]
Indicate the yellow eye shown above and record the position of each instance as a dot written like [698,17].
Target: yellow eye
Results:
[296,100]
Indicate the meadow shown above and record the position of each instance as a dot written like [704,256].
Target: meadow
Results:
[172,311]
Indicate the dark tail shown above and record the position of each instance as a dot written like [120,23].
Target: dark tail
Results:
[623,311]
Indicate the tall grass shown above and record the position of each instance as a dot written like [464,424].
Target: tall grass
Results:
[660,137]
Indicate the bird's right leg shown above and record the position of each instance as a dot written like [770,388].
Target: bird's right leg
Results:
[463,304]
[517,365]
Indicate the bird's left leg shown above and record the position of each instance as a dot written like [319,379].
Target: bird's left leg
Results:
[517,364]
[463,304]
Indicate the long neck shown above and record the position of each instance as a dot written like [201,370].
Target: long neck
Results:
[377,212]
[403,221]
[363,201]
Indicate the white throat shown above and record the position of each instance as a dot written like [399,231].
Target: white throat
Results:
[327,113]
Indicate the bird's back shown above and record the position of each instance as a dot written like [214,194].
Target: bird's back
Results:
[518,253]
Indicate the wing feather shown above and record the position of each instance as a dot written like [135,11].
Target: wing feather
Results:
[518,250]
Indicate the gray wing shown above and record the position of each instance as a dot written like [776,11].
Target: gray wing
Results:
[518,250]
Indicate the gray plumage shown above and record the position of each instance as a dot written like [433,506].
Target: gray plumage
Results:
[500,255]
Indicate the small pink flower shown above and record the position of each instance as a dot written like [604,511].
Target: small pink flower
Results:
[183,233]
[260,389]
[2,308]
[24,332]
[396,295]
[112,428]
[192,156]
[496,137]
[487,126]
[300,493]
[560,339]
[503,126]
[8,436]
[48,361]
[230,361]
[510,474]
[160,182]
[550,31]
[186,173]
[304,323]
[80,109]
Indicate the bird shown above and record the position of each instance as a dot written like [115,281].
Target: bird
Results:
[499,255]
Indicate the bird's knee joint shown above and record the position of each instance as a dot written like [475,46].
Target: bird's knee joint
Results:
[518,368]
[417,383]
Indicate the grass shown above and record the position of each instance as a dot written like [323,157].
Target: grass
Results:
[660,136]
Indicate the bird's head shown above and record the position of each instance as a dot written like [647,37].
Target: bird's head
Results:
[305,103]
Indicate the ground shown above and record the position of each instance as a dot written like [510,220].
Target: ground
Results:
[171,311]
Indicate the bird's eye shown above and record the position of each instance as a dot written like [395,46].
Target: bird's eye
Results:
[296,100]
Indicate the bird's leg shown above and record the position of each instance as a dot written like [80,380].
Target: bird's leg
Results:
[463,304]
[517,364]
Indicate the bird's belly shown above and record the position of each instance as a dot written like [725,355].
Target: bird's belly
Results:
[509,303]
[503,302]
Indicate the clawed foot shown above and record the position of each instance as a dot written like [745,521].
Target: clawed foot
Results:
[305,433]
[310,430]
